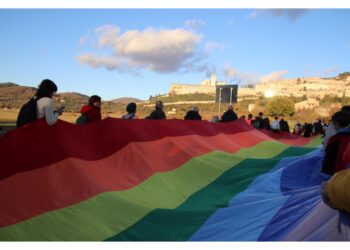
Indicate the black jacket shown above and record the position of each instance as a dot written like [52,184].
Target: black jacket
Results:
[157,115]
[193,115]
[229,116]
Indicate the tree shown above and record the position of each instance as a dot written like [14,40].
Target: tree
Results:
[279,106]
[344,75]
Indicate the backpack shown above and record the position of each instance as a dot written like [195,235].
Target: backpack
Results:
[83,119]
[28,113]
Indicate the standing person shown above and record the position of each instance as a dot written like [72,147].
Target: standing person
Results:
[297,129]
[250,119]
[40,105]
[158,113]
[46,90]
[91,112]
[284,127]
[307,130]
[229,115]
[275,126]
[318,127]
[193,114]
[266,122]
[337,144]
[214,119]
[330,130]
[131,111]
[258,121]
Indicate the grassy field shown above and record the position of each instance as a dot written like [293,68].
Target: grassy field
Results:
[8,118]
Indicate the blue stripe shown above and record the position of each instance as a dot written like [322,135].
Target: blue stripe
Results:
[300,181]
[247,214]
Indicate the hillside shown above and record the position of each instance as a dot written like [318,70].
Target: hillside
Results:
[7,84]
[126,100]
[14,96]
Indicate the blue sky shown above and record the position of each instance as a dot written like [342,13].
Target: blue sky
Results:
[141,52]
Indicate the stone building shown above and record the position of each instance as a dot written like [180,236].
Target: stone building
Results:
[310,103]
[207,86]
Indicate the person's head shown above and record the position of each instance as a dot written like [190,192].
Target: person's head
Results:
[261,114]
[243,117]
[230,107]
[95,101]
[276,117]
[345,109]
[215,118]
[195,109]
[250,116]
[340,119]
[47,88]
[131,108]
[159,105]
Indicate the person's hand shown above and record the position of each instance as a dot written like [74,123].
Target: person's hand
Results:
[60,110]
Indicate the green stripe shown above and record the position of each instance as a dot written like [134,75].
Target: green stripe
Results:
[181,223]
[110,213]
[314,142]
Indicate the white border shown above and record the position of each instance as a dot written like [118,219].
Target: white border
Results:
[198,4]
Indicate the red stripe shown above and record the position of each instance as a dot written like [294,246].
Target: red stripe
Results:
[72,180]
[39,145]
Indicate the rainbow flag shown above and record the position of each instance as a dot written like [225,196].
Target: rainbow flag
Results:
[174,180]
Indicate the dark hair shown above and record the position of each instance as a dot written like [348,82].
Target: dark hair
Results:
[346,109]
[159,105]
[260,113]
[94,98]
[46,89]
[342,118]
[250,116]
[131,107]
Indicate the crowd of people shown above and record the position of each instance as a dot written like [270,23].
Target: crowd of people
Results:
[336,135]
[92,112]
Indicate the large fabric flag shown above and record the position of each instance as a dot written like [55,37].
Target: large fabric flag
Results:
[174,180]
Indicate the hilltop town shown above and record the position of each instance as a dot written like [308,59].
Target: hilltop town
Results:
[312,87]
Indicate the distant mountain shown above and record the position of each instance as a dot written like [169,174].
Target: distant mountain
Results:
[14,96]
[7,84]
[125,100]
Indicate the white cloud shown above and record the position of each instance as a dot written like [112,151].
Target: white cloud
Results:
[192,24]
[110,63]
[309,70]
[247,77]
[273,76]
[329,72]
[159,50]
[238,76]
[291,14]
[212,45]
[107,34]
